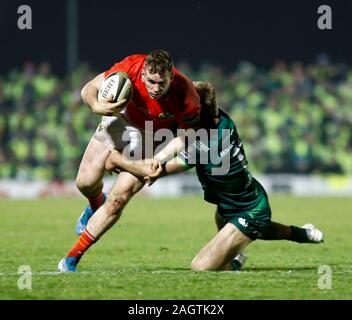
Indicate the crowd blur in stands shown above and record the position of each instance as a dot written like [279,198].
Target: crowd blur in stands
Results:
[292,118]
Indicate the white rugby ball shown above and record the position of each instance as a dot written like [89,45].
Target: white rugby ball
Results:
[116,87]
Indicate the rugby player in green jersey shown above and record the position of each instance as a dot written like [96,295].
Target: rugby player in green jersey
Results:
[243,212]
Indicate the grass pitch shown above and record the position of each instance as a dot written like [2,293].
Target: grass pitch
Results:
[147,254]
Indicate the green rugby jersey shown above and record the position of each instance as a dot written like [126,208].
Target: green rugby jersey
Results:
[233,187]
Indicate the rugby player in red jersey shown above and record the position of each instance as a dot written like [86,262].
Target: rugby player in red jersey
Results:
[161,95]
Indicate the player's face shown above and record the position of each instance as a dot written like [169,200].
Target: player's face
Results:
[157,85]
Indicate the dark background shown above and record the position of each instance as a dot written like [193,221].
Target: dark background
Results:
[222,32]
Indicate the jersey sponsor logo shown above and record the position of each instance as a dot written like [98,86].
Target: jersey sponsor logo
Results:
[166,115]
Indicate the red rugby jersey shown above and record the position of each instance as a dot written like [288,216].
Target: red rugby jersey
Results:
[178,108]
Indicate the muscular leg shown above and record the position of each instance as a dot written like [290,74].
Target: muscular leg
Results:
[219,252]
[90,179]
[91,171]
[220,223]
[277,231]
[306,234]
[125,187]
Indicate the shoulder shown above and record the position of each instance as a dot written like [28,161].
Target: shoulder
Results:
[131,65]
[225,118]
[185,88]
[182,82]
[135,58]
[226,122]
[188,102]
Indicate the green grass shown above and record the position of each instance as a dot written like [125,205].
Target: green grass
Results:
[147,254]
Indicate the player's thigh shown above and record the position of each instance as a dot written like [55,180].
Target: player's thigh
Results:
[122,191]
[112,133]
[221,249]
[118,134]
[92,166]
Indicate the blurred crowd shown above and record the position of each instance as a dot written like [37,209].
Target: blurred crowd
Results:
[292,118]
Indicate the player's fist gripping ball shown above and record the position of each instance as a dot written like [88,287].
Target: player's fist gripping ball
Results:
[116,87]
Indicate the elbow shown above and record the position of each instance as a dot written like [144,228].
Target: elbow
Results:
[84,93]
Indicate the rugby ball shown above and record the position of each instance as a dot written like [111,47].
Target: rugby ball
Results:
[116,87]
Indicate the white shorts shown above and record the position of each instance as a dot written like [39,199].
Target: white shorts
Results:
[118,134]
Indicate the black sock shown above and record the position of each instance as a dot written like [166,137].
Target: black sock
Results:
[236,265]
[299,234]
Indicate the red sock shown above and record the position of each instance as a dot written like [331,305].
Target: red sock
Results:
[96,201]
[82,245]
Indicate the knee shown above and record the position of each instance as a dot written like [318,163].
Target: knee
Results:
[199,265]
[84,183]
[116,203]
[80,183]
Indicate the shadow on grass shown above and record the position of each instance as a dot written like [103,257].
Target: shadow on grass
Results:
[166,269]
[286,268]
[251,269]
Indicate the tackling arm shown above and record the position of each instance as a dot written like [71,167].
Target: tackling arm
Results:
[175,146]
[142,168]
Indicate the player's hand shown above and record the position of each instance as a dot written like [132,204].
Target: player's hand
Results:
[112,162]
[149,181]
[156,169]
[107,108]
[110,166]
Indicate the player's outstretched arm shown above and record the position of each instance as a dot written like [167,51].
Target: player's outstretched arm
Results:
[89,96]
[174,147]
[171,167]
[116,160]
[142,168]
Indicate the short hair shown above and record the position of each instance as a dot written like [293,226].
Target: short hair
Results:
[207,97]
[159,61]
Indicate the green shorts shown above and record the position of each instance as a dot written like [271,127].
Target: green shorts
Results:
[252,222]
